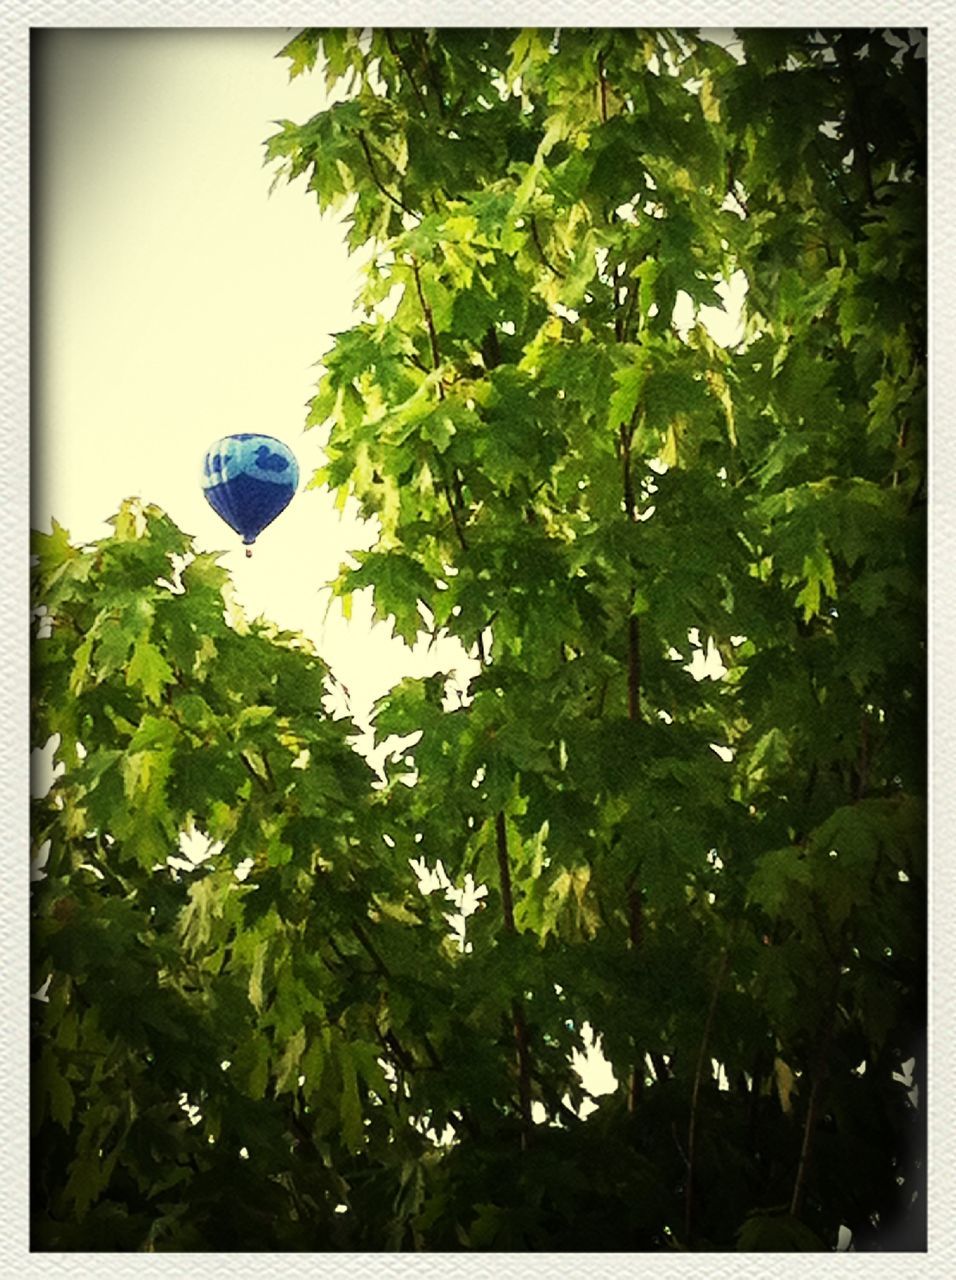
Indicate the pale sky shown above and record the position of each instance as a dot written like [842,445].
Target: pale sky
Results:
[177,302]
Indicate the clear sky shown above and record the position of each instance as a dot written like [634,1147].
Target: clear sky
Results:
[177,301]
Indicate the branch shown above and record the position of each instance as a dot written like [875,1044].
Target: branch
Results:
[517,1011]
[602,81]
[432,72]
[401,62]
[635,936]
[454,516]
[630,498]
[633,630]
[860,148]
[366,943]
[732,185]
[504,873]
[256,777]
[377,180]
[544,257]
[635,919]
[633,666]
[813,1106]
[632,291]
[406,1063]
[436,362]
[863,760]
[433,1057]
[99,860]
[490,348]
[429,324]
[695,1096]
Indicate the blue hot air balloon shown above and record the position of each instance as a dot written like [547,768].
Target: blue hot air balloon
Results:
[248,480]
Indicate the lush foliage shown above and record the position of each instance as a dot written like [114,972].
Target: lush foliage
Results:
[722,876]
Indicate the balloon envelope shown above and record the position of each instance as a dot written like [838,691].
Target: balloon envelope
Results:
[248,480]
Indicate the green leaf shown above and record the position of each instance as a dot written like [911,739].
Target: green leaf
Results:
[287,1069]
[353,1131]
[150,670]
[53,550]
[62,1099]
[777,1233]
[818,571]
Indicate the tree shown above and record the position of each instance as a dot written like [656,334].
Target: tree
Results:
[284,1046]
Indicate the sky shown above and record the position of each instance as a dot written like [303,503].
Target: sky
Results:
[177,301]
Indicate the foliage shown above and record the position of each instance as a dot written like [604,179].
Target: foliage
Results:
[724,877]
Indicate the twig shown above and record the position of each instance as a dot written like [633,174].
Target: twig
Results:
[401,62]
[430,1050]
[454,516]
[517,1010]
[695,1095]
[429,324]
[861,148]
[633,666]
[504,873]
[863,765]
[432,72]
[635,936]
[732,185]
[389,195]
[490,348]
[253,773]
[544,257]
[635,918]
[813,1106]
[436,362]
[633,630]
[632,291]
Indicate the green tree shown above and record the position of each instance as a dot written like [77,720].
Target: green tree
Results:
[282,1046]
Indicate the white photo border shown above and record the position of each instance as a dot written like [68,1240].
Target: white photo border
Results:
[18,19]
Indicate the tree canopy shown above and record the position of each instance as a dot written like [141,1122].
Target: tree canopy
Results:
[689,773]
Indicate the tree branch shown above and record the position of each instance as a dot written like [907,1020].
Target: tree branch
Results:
[377,180]
[819,1075]
[430,1050]
[633,634]
[635,904]
[695,1096]
[432,72]
[517,1009]
[429,325]
[860,146]
[544,257]
[389,40]
[504,873]
[436,363]
[632,290]
[256,777]
[454,516]
[635,936]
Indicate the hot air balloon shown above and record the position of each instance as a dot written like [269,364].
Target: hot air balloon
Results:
[248,480]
